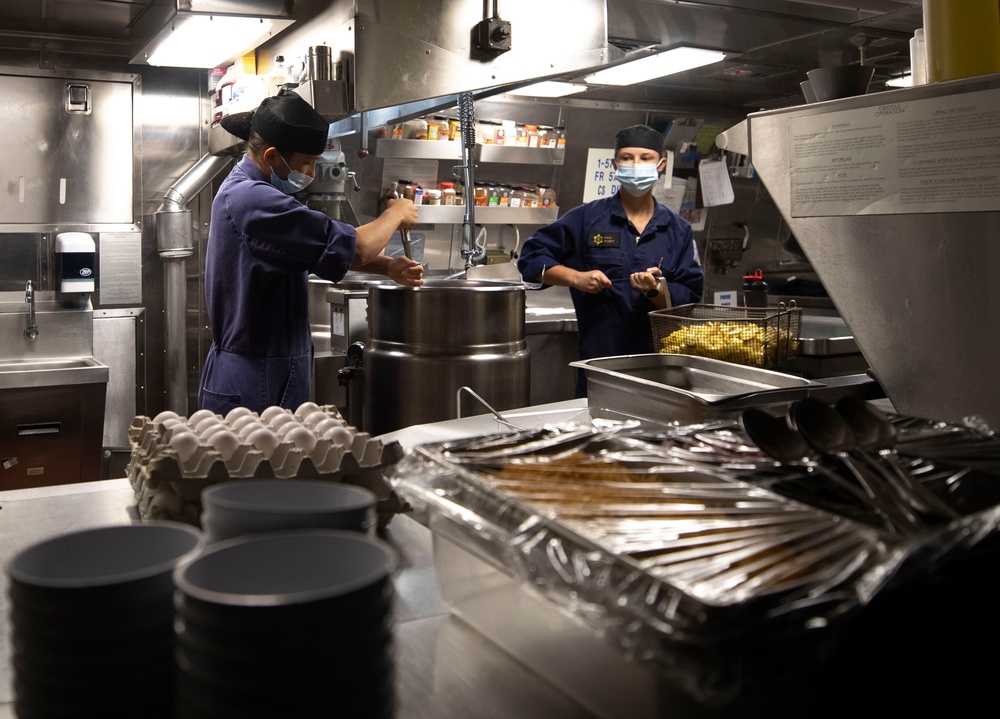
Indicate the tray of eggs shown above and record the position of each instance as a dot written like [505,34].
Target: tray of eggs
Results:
[189,453]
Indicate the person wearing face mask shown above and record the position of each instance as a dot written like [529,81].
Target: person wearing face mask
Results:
[263,244]
[621,256]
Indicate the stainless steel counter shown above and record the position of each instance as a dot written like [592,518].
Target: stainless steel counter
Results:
[444,668]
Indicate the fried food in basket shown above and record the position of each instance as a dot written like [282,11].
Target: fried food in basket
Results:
[740,342]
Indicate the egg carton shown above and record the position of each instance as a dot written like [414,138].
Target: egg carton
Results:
[174,458]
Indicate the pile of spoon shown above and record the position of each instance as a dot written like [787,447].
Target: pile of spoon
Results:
[859,442]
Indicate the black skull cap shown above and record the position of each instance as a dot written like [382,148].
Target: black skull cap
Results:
[639,136]
[286,121]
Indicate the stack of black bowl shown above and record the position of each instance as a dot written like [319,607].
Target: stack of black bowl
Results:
[233,509]
[92,622]
[291,623]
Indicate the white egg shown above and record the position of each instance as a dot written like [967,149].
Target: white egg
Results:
[165,414]
[313,418]
[237,412]
[226,443]
[271,412]
[264,440]
[248,429]
[210,430]
[286,428]
[242,421]
[185,444]
[302,438]
[326,425]
[198,416]
[340,436]
[206,423]
[172,422]
[282,419]
[305,409]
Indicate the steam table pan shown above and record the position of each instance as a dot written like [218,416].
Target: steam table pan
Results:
[686,388]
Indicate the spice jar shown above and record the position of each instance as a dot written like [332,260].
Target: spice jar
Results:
[432,197]
[547,196]
[560,136]
[532,131]
[516,196]
[433,129]
[505,195]
[448,195]
[493,193]
[546,136]
[481,196]
[520,136]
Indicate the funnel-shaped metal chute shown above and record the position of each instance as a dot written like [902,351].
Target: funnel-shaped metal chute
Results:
[895,198]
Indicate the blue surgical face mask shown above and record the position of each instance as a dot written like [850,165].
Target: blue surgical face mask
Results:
[637,178]
[296,182]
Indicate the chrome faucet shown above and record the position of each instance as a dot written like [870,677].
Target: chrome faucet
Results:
[31,331]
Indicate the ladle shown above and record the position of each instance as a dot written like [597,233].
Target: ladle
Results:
[829,434]
[874,432]
[779,441]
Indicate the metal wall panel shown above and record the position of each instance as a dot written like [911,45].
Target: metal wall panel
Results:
[116,343]
[66,166]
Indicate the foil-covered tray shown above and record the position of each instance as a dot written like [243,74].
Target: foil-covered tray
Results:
[686,547]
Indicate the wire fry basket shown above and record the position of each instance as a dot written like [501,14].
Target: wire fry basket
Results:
[758,337]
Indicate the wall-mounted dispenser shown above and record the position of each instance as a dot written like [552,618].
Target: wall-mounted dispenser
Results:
[75,262]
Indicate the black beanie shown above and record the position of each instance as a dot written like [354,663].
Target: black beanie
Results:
[286,121]
[639,136]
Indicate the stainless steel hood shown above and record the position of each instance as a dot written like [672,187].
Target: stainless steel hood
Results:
[770,44]
[895,198]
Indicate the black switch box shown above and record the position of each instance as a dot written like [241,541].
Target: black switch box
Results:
[492,36]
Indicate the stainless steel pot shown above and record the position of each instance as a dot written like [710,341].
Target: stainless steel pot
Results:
[426,342]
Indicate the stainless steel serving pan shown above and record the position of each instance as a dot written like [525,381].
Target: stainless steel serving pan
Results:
[672,387]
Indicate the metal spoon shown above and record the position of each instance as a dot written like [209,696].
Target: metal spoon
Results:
[828,433]
[874,432]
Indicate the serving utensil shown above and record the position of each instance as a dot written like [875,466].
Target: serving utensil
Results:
[875,433]
[830,435]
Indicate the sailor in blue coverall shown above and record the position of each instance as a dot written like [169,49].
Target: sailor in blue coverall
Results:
[621,256]
[262,245]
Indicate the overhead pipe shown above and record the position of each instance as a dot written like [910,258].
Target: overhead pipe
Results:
[174,230]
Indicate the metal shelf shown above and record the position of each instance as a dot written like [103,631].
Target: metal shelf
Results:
[452,150]
[419,149]
[454,214]
[521,155]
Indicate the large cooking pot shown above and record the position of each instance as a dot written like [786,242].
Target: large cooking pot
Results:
[426,342]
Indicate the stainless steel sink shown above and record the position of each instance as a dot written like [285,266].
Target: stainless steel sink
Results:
[51,371]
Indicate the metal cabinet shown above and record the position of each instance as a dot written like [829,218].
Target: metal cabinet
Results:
[69,151]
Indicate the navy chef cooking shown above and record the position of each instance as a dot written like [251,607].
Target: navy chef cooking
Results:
[613,253]
[262,245]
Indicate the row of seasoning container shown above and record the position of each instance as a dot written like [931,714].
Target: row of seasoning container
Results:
[485,194]
[488,132]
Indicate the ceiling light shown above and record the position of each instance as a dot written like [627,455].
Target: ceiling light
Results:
[653,66]
[171,34]
[904,81]
[549,88]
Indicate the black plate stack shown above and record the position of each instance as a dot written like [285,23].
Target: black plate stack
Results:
[233,509]
[291,623]
[92,622]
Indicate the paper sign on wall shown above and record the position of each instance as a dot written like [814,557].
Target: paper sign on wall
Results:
[600,180]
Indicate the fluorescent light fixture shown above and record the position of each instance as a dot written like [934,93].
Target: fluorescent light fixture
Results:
[653,66]
[206,33]
[549,88]
[904,81]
